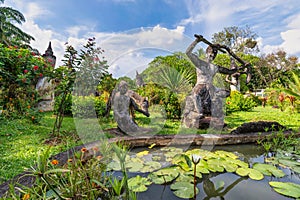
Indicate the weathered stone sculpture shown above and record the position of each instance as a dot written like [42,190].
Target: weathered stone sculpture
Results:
[121,104]
[139,80]
[206,100]
[45,86]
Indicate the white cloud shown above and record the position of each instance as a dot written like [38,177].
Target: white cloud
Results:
[134,49]
[290,37]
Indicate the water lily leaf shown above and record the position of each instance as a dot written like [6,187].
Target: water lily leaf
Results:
[156,158]
[191,173]
[172,149]
[164,175]
[255,175]
[150,166]
[268,170]
[183,161]
[296,169]
[136,159]
[225,154]
[184,190]
[240,163]
[286,188]
[288,162]
[142,153]
[202,167]
[185,178]
[170,155]
[134,166]
[114,166]
[243,171]
[138,183]
[151,146]
[215,165]
[230,167]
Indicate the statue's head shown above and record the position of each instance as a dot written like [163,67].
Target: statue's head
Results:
[211,53]
[123,87]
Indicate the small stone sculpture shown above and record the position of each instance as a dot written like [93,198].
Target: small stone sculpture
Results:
[121,106]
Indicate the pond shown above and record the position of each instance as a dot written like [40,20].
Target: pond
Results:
[212,185]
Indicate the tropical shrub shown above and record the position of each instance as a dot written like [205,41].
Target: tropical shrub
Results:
[156,94]
[20,70]
[237,102]
[172,106]
[88,106]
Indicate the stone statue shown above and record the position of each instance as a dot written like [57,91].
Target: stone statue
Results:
[206,99]
[121,105]
[45,86]
[234,79]
[139,80]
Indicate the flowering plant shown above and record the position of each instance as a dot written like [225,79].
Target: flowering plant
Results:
[20,70]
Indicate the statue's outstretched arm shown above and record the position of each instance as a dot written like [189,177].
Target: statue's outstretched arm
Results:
[135,106]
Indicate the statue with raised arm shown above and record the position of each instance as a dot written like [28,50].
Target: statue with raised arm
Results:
[206,99]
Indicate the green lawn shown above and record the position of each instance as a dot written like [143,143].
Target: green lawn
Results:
[21,141]
[286,118]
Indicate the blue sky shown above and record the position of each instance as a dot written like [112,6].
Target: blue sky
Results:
[132,32]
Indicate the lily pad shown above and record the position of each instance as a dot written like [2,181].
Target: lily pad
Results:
[243,171]
[286,188]
[289,163]
[138,184]
[184,190]
[114,166]
[268,170]
[164,175]
[182,161]
[150,166]
[255,175]
[215,165]
[225,154]
[142,153]
[134,166]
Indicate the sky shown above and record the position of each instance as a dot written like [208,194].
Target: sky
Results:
[133,32]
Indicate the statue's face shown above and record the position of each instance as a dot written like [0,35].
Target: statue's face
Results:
[211,53]
[123,87]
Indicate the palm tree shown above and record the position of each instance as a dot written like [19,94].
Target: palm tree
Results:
[8,31]
[175,81]
[294,86]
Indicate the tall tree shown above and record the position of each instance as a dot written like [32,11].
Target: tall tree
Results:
[275,68]
[9,32]
[240,40]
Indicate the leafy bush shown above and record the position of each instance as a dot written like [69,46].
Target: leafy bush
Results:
[159,95]
[172,106]
[20,70]
[237,102]
[88,106]
[100,105]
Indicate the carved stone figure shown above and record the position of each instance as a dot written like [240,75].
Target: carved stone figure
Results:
[45,86]
[139,80]
[206,99]
[140,101]
[234,79]
[121,104]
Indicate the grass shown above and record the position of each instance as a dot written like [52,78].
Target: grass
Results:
[286,118]
[21,141]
